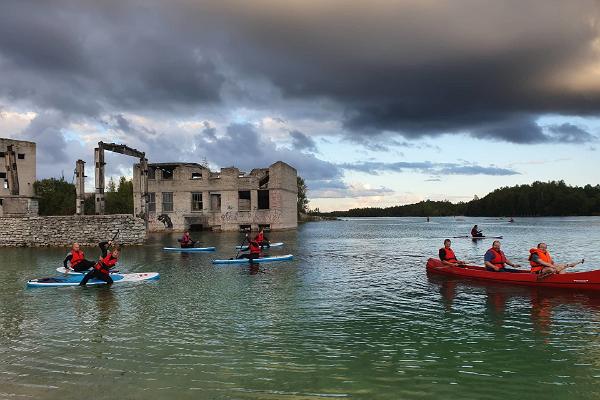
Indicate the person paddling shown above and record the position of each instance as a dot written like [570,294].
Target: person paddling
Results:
[542,263]
[447,255]
[262,240]
[186,241]
[495,259]
[255,250]
[475,232]
[77,260]
[108,260]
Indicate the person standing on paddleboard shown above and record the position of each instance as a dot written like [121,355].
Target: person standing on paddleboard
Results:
[447,255]
[77,260]
[542,263]
[475,232]
[101,270]
[495,259]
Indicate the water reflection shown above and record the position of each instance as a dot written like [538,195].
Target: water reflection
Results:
[545,305]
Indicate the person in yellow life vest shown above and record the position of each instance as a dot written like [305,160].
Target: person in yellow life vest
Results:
[495,260]
[542,263]
[447,255]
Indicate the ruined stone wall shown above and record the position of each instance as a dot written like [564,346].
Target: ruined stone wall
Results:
[88,230]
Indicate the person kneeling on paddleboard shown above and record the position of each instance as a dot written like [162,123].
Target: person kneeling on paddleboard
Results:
[186,241]
[262,240]
[77,260]
[255,250]
[475,232]
[447,255]
[541,262]
[101,270]
[495,259]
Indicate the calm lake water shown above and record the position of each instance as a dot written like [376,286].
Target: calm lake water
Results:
[353,316]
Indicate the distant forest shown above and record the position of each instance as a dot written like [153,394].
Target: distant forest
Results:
[539,199]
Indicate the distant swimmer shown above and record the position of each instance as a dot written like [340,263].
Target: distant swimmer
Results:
[542,263]
[475,232]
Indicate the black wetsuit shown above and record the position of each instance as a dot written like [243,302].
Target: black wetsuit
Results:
[94,273]
[83,265]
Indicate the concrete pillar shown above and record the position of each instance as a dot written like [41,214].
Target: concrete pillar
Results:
[10,159]
[144,188]
[80,187]
[99,175]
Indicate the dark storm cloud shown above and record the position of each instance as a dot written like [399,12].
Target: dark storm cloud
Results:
[302,142]
[413,68]
[569,133]
[427,167]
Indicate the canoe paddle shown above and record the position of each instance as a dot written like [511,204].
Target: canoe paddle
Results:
[241,246]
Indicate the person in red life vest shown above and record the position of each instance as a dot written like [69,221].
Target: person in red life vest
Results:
[542,263]
[475,232]
[447,255]
[262,240]
[186,241]
[255,250]
[102,268]
[495,260]
[77,260]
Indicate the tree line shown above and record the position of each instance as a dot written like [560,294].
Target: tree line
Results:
[539,199]
[57,197]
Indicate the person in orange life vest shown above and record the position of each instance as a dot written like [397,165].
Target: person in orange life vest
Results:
[261,239]
[77,260]
[475,232]
[542,263]
[495,259]
[186,241]
[102,268]
[255,250]
[447,255]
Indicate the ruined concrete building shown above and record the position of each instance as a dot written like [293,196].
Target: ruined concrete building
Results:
[17,175]
[190,196]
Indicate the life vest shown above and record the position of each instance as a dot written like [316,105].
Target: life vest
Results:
[186,239]
[76,257]
[499,258]
[260,237]
[542,256]
[106,264]
[450,256]
[254,247]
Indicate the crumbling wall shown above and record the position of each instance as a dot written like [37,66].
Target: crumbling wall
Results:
[87,230]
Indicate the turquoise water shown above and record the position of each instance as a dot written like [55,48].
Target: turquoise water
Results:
[353,316]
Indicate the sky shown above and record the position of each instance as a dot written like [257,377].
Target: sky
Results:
[375,103]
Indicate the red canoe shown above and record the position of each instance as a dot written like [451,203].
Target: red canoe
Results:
[589,280]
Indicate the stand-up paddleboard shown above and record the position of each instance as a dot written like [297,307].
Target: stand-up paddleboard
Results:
[189,249]
[286,257]
[74,280]
[276,244]
[477,237]
[64,270]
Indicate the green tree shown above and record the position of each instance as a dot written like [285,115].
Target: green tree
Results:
[302,205]
[55,196]
[120,199]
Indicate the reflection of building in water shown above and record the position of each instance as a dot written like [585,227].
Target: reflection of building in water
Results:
[190,196]
[17,175]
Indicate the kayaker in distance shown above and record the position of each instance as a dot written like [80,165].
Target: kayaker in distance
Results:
[541,262]
[77,260]
[186,241]
[255,250]
[102,268]
[475,232]
[495,259]
[447,255]
[262,240]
